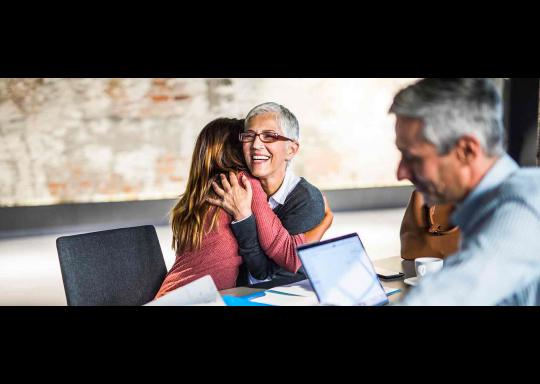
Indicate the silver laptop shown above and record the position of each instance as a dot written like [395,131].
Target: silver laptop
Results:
[341,272]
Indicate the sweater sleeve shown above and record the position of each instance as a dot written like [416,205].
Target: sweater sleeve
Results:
[256,261]
[274,239]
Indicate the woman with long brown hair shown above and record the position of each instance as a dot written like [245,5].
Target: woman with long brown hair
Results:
[202,237]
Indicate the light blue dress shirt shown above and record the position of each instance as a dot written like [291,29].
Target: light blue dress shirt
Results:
[498,262]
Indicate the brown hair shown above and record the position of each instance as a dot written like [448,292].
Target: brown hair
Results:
[217,150]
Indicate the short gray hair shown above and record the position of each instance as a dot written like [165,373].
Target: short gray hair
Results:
[286,120]
[452,108]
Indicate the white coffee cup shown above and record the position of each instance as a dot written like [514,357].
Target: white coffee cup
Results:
[425,266]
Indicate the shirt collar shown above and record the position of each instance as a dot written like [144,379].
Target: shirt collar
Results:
[499,172]
[289,183]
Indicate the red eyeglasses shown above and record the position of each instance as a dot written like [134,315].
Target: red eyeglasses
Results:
[266,137]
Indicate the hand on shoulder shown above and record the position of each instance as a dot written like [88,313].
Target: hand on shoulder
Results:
[235,196]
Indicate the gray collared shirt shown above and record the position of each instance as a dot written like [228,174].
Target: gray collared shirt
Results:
[498,262]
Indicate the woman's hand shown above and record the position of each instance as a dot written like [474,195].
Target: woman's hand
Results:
[235,199]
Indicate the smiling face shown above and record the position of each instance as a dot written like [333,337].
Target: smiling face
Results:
[440,178]
[268,161]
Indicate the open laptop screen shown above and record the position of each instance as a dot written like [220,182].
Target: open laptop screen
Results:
[341,272]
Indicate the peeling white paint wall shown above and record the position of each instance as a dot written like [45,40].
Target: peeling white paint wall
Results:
[87,140]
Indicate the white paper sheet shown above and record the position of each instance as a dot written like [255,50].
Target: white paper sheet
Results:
[299,293]
[300,288]
[202,291]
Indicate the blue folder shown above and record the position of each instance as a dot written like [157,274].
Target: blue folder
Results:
[233,301]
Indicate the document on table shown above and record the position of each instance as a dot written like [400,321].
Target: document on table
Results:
[202,291]
[300,288]
[298,294]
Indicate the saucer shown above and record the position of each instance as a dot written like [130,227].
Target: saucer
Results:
[411,281]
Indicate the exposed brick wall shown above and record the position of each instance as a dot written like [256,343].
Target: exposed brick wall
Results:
[85,140]
[74,140]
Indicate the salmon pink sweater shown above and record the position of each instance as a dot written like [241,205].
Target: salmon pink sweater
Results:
[218,255]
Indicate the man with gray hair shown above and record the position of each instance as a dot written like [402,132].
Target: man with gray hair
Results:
[450,134]
[270,141]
